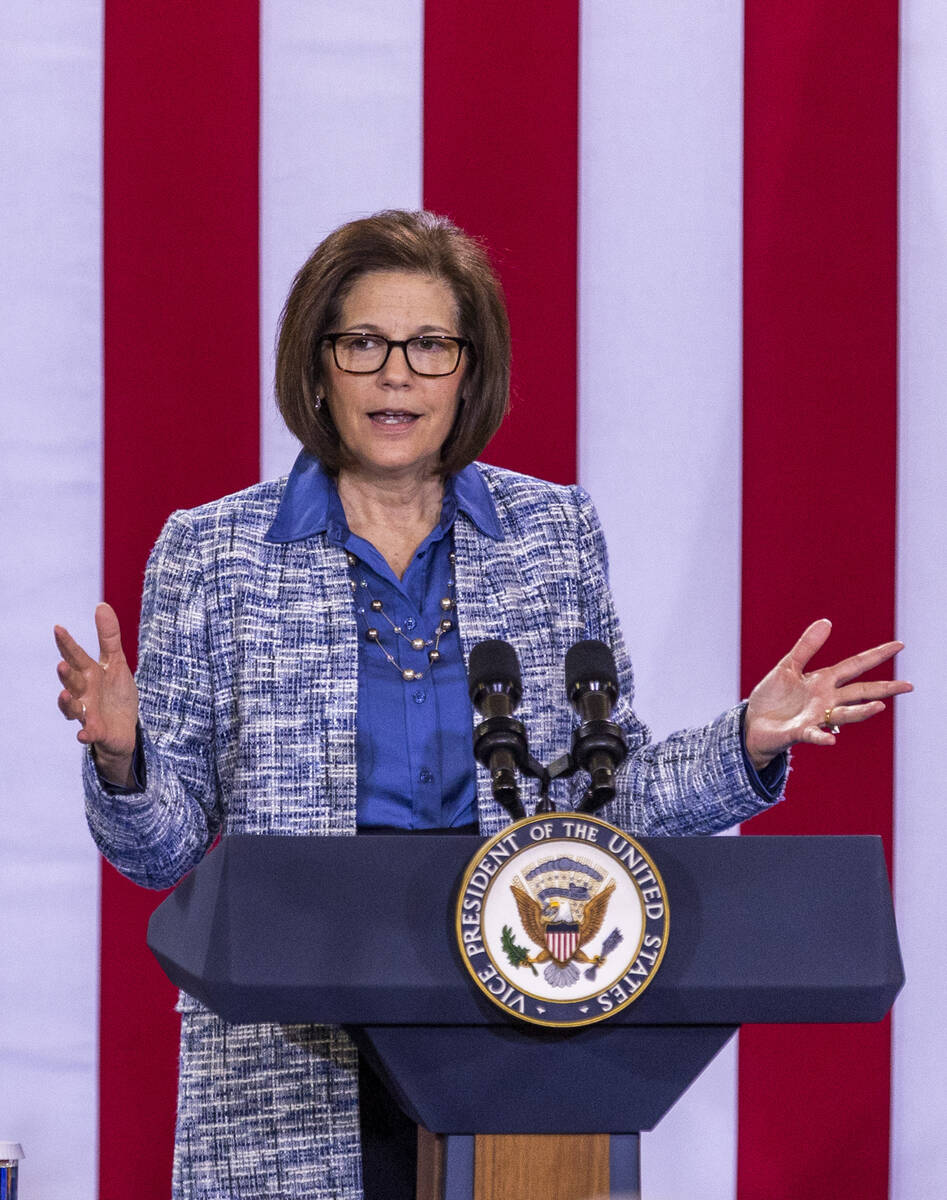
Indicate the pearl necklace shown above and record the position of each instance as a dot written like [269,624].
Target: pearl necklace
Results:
[445,625]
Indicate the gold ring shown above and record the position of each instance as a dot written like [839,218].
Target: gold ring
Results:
[828,723]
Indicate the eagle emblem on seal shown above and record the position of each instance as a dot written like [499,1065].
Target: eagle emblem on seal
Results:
[562,904]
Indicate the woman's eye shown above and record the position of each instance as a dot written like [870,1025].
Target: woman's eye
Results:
[429,345]
[362,342]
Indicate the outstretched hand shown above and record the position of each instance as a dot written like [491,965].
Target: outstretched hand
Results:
[790,706]
[101,696]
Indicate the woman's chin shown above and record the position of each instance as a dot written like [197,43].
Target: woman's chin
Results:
[394,461]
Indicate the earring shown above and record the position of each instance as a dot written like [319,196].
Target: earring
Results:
[318,398]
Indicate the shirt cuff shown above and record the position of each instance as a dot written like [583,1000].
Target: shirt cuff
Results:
[767,783]
[139,772]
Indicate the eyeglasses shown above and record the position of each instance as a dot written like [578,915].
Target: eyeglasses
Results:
[367,353]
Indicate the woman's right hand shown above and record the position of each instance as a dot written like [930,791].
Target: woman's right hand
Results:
[101,696]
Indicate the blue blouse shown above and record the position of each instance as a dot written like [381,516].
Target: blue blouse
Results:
[414,744]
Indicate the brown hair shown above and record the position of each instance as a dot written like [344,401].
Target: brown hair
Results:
[395,241]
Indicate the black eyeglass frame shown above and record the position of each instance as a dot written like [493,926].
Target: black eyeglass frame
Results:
[459,342]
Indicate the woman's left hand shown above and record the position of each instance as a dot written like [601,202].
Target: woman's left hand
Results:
[790,706]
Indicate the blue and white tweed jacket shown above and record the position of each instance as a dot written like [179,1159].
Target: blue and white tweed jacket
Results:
[248,682]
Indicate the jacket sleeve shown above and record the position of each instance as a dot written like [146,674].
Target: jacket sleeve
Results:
[155,836]
[695,781]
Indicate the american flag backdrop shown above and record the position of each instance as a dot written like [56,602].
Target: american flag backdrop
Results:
[721,228]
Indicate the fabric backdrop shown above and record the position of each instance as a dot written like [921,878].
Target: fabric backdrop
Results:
[704,217]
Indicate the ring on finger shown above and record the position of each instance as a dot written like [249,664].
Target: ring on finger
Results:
[828,723]
[82,716]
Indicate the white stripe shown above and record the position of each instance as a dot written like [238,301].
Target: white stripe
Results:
[50,541]
[660,421]
[919,1101]
[340,138]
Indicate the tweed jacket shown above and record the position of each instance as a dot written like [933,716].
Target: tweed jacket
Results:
[248,683]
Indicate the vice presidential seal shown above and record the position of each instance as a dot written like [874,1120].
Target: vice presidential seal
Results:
[562,919]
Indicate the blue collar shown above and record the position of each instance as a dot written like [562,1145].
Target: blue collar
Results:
[305,507]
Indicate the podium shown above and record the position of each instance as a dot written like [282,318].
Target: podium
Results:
[359,932]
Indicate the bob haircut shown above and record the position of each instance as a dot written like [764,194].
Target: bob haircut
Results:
[395,241]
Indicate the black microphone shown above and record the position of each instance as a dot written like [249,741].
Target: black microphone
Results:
[499,740]
[598,745]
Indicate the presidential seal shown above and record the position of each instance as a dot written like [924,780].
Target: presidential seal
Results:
[562,919]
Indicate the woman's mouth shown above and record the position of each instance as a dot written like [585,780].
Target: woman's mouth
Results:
[392,416]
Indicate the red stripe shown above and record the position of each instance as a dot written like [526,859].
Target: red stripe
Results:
[820,228]
[181,427]
[500,157]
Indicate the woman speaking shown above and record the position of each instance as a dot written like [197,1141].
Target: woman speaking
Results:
[302,657]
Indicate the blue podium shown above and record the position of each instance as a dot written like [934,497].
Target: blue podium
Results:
[359,932]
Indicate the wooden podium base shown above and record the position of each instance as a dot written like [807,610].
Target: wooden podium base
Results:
[527,1166]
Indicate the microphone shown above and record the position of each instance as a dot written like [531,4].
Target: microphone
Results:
[598,745]
[499,740]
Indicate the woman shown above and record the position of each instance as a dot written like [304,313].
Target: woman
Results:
[302,650]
